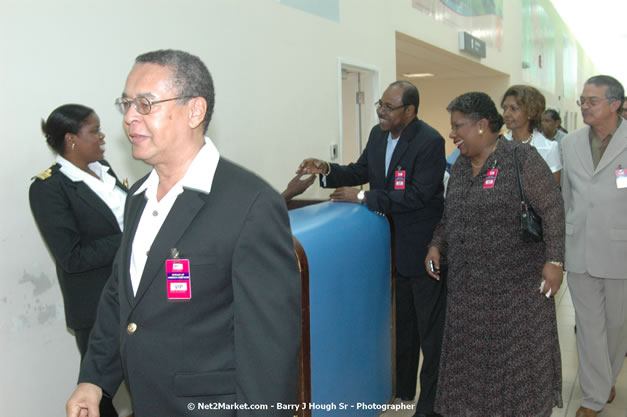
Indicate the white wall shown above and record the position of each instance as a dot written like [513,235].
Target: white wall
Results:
[276,74]
[350,120]
[437,94]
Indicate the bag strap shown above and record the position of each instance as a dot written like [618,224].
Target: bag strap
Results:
[520,185]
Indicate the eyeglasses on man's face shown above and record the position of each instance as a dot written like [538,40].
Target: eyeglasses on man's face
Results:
[142,104]
[386,108]
[592,101]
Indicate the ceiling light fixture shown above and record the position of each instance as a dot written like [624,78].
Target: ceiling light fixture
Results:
[419,75]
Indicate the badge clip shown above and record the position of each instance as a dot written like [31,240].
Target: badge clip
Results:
[399,179]
[621,177]
[490,178]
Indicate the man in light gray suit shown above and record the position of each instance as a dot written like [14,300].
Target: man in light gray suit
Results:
[594,185]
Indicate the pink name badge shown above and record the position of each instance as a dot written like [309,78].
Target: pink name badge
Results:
[399,180]
[621,178]
[490,178]
[179,284]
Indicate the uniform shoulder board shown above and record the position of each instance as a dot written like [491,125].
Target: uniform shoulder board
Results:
[44,175]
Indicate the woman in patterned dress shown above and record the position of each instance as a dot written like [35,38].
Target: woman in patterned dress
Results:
[500,351]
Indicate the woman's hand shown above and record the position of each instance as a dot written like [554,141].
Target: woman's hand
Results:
[552,276]
[433,260]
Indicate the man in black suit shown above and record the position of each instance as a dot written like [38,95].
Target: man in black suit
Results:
[201,315]
[404,162]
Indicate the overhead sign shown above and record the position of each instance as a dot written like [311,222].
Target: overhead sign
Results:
[472,45]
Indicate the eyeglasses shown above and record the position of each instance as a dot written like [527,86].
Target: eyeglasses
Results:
[386,107]
[141,104]
[592,101]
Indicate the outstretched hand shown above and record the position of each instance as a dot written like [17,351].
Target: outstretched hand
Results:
[312,166]
[297,186]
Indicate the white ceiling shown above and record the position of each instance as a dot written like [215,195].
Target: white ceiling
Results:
[600,26]
[414,56]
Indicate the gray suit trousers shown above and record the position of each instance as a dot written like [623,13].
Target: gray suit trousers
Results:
[601,318]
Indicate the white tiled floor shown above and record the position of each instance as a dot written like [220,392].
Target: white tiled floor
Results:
[570,386]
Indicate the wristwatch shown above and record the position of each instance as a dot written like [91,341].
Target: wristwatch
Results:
[558,264]
[360,196]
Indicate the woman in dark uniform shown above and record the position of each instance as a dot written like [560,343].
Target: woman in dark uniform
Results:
[78,204]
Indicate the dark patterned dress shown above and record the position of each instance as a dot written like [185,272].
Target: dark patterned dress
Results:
[500,351]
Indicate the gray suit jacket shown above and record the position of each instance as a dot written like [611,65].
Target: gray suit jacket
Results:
[596,210]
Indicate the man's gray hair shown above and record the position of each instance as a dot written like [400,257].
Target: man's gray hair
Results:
[615,90]
[190,76]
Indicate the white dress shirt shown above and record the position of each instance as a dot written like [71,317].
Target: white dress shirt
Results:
[104,186]
[389,150]
[199,177]
[548,149]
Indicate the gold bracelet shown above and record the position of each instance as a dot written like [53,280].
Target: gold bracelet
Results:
[328,169]
[559,264]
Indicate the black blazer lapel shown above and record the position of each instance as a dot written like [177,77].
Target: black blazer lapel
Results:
[112,173]
[408,134]
[400,149]
[180,217]
[134,210]
[90,197]
[377,171]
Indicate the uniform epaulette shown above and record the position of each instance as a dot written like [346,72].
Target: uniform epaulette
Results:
[44,175]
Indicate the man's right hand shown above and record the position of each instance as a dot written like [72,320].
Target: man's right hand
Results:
[85,401]
[313,166]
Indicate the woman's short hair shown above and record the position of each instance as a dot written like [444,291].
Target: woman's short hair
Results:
[531,100]
[476,106]
[68,118]
[553,114]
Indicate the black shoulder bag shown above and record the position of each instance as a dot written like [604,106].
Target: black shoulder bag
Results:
[530,222]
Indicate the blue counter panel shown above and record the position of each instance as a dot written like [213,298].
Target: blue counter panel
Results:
[348,251]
